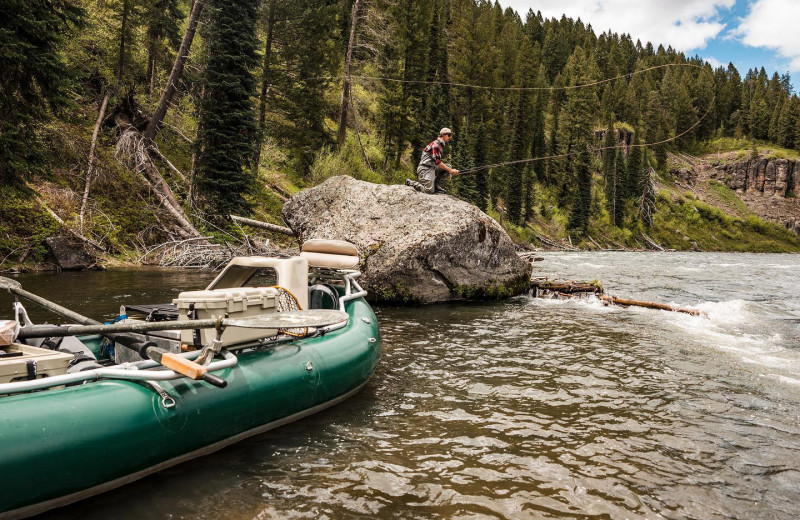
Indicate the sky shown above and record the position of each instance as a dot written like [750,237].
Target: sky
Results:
[748,33]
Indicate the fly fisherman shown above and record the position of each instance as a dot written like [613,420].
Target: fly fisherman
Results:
[431,163]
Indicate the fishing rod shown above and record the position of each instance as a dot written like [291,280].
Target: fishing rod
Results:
[551,88]
[515,89]
[592,149]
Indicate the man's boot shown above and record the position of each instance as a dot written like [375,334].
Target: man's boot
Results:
[414,184]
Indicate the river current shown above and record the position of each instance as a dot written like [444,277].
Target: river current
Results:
[524,409]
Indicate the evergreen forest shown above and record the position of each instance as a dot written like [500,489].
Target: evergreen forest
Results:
[135,122]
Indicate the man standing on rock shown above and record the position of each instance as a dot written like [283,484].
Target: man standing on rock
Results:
[430,162]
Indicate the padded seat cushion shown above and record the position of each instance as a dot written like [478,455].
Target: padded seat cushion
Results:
[330,260]
[333,247]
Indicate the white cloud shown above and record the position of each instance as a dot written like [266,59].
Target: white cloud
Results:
[714,62]
[773,24]
[684,24]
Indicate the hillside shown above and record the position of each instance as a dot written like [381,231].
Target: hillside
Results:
[267,98]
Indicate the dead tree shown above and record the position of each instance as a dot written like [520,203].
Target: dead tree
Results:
[346,79]
[175,74]
[135,147]
[90,166]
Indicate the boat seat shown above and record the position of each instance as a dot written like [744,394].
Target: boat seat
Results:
[330,254]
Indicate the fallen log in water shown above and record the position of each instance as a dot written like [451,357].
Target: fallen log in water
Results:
[544,288]
[651,305]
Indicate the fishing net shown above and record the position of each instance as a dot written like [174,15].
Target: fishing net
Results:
[284,302]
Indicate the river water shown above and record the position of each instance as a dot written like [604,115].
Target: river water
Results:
[522,409]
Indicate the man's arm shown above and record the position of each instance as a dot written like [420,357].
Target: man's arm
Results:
[448,169]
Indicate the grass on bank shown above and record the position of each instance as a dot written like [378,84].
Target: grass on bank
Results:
[743,149]
[685,223]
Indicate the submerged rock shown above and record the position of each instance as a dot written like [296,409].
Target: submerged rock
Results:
[415,248]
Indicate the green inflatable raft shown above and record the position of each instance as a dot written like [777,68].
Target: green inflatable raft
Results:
[114,425]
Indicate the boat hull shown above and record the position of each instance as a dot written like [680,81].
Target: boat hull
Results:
[60,446]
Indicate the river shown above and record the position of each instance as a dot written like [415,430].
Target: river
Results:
[522,409]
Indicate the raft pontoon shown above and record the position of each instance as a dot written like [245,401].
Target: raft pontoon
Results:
[80,415]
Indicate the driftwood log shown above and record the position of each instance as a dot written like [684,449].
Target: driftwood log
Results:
[544,288]
[263,225]
[651,305]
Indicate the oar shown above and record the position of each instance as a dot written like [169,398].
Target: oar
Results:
[277,320]
[146,349]
[15,287]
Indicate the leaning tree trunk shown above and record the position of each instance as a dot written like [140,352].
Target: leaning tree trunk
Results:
[175,74]
[346,80]
[90,167]
[134,148]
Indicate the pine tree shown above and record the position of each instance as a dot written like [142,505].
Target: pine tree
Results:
[516,172]
[521,134]
[788,122]
[227,127]
[529,198]
[437,113]
[462,159]
[647,193]
[634,168]
[482,191]
[654,127]
[677,101]
[582,201]
[33,82]
[310,52]
[539,144]
[609,166]
[577,120]
[619,199]
[772,133]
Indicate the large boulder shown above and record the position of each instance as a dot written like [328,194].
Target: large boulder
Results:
[415,248]
[69,253]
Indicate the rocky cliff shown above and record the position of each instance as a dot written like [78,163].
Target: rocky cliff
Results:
[768,177]
[414,247]
[768,186]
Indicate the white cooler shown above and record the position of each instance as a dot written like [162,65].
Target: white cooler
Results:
[237,302]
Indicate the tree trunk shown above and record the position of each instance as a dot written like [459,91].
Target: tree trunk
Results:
[123,29]
[262,105]
[136,149]
[263,225]
[151,73]
[175,74]
[346,80]
[652,305]
[90,167]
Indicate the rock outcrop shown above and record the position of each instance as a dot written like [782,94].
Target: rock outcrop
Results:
[769,187]
[415,248]
[768,177]
[69,253]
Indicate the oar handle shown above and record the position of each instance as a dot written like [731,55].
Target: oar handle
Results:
[185,366]
[217,381]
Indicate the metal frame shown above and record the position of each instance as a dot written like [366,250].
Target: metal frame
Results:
[348,276]
[127,371]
